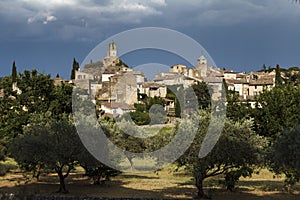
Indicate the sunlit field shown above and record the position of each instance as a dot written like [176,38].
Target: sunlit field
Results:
[161,184]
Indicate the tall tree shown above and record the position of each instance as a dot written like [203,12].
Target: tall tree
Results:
[14,72]
[264,68]
[278,78]
[75,67]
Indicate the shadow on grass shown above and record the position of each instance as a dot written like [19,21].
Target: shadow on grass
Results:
[118,188]
[137,176]
[264,185]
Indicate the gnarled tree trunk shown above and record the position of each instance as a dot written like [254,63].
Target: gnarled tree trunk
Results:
[62,185]
[62,177]
[199,185]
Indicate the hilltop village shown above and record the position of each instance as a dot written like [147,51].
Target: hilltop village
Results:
[116,86]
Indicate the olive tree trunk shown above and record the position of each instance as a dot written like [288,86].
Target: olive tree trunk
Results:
[62,177]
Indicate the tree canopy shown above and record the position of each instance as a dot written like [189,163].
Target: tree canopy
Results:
[277,109]
[49,144]
[38,94]
[284,156]
[238,148]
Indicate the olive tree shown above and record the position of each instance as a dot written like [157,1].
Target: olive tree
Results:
[238,148]
[284,156]
[48,144]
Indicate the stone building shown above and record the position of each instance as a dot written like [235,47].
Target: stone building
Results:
[250,85]
[115,109]
[202,66]
[95,77]
[152,89]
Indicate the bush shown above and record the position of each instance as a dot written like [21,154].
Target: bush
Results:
[140,118]
[7,165]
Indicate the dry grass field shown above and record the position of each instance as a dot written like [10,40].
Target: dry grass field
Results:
[150,185]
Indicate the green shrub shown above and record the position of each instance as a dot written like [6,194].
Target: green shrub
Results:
[7,165]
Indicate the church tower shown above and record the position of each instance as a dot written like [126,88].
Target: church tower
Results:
[112,50]
[111,57]
[202,65]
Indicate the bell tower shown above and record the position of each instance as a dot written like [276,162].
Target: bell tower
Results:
[202,65]
[112,50]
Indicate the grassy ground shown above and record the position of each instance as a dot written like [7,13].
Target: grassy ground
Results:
[150,185]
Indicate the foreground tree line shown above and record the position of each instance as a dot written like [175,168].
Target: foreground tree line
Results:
[37,130]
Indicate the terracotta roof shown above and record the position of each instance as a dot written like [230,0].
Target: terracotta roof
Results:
[242,81]
[136,73]
[234,81]
[212,79]
[168,100]
[115,105]
[259,73]
[240,75]
[229,72]
[151,85]
[166,76]
[264,80]
[110,71]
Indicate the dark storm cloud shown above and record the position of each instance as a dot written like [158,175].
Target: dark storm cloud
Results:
[72,19]
[236,32]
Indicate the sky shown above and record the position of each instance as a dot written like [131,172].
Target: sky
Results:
[238,34]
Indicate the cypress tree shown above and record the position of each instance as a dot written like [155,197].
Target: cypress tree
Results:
[75,68]
[14,72]
[278,79]
[264,68]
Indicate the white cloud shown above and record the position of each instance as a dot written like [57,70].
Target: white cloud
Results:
[50,18]
[113,11]
[43,17]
